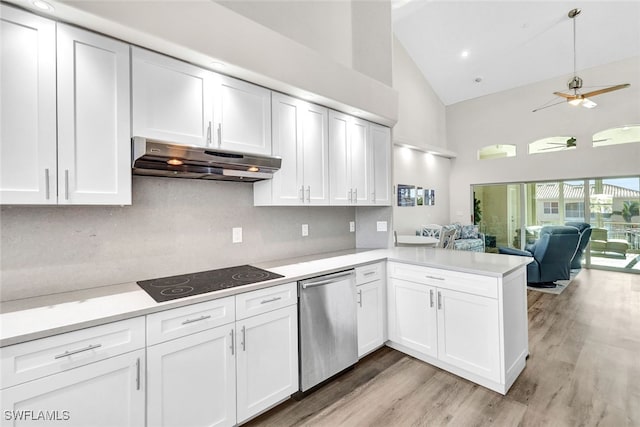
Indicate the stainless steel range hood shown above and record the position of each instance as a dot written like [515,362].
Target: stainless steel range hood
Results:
[160,158]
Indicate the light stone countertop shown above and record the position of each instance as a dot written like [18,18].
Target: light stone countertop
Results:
[47,315]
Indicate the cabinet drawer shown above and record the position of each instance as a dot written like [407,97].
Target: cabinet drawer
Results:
[36,359]
[178,322]
[369,273]
[464,282]
[264,300]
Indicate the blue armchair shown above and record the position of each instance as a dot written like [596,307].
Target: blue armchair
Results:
[552,254]
[584,230]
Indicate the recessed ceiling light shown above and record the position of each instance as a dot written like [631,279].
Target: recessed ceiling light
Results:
[478,79]
[464,54]
[42,5]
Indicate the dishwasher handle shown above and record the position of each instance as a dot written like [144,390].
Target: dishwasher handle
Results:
[325,280]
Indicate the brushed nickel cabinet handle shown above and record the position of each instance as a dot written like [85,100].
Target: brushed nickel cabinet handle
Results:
[209,134]
[66,184]
[369,273]
[196,320]
[267,301]
[243,343]
[439,301]
[435,277]
[350,195]
[138,374]
[219,134]
[360,297]
[80,350]
[232,343]
[302,193]
[46,184]
[309,193]
[355,195]
[431,298]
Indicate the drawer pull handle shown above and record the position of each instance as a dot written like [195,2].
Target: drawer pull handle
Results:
[360,297]
[431,298]
[138,374]
[186,322]
[232,343]
[244,342]
[369,273]
[434,277]
[267,301]
[439,301]
[80,350]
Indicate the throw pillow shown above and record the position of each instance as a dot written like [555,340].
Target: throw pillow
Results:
[469,232]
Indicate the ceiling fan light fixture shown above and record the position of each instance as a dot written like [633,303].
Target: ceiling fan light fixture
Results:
[575,102]
[587,103]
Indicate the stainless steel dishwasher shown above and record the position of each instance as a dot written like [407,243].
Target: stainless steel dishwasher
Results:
[328,328]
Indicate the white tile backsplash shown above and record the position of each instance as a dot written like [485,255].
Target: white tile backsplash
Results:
[174,226]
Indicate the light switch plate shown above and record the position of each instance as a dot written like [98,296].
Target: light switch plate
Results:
[352,226]
[305,230]
[381,226]
[236,233]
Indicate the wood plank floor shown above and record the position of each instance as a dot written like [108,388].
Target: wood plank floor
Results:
[583,370]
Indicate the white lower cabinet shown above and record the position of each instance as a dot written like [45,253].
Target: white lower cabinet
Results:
[191,380]
[461,331]
[267,360]
[412,316]
[371,307]
[107,393]
[222,375]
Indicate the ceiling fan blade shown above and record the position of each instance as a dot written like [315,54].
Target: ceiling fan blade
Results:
[566,95]
[606,89]
[547,106]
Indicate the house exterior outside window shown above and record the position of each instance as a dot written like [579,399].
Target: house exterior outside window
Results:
[551,208]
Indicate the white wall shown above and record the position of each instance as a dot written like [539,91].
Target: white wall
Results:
[507,118]
[421,122]
[421,114]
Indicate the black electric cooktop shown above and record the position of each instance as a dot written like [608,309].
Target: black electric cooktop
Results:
[185,285]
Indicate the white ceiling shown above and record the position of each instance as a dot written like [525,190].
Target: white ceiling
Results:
[512,43]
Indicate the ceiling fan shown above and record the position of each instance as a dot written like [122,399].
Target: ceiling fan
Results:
[575,96]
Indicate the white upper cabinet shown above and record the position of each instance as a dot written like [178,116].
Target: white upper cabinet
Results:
[349,160]
[178,102]
[300,138]
[380,184]
[172,100]
[94,134]
[27,108]
[65,114]
[243,116]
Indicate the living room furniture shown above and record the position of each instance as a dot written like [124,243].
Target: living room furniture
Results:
[584,230]
[409,240]
[552,254]
[600,243]
[447,238]
[467,237]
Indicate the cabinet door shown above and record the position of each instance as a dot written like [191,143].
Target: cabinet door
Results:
[191,380]
[380,138]
[287,144]
[340,190]
[106,393]
[370,317]
[243,116]
[413,316]
[468,333]
[267,360]
[315,144]
[94,147]
[27,108]
[359,160]
[172,100]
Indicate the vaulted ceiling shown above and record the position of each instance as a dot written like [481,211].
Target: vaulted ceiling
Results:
[512,43]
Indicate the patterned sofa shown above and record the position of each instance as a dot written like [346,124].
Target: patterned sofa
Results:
[468,237]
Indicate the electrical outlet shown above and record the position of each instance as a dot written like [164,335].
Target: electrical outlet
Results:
[352,226]
[305,230]
[381,226]
[236,233]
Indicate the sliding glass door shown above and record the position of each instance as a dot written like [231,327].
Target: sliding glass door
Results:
[512,215]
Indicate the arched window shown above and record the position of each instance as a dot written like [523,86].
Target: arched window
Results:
[621,135]
[496,151]
[551,144]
